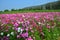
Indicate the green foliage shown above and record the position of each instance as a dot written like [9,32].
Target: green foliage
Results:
[13,10]
[6,10]
[22,11]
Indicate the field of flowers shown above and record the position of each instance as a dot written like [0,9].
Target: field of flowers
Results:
[30,26]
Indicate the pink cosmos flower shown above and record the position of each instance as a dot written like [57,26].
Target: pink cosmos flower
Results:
[16,24]
[18,36]
[29,38]
[26,29]
[24,34]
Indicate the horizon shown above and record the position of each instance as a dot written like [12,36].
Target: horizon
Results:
[19,4]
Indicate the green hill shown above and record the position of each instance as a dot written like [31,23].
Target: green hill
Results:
[49,6]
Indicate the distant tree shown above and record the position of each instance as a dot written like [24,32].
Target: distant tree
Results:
[44,7]
[6,10]
[13,10]
[0,11]
[19,9]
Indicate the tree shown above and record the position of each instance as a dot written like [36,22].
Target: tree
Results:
[0,11]
[6,10]
[13,10]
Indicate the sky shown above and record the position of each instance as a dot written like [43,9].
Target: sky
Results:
[18,4]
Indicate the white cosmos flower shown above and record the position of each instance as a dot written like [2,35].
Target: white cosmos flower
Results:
[2,33]
[19,29]
[8,35]
[12,33]
[39,22]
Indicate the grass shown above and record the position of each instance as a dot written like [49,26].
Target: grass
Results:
[23,11]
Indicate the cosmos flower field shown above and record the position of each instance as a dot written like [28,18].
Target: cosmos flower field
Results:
[30,26]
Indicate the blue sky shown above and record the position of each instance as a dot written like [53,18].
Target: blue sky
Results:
[16,4]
